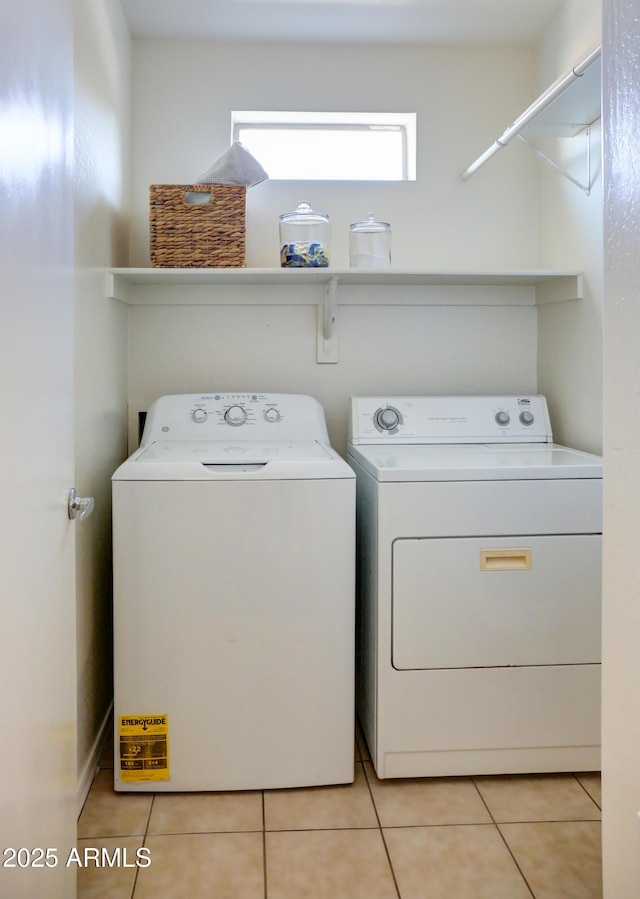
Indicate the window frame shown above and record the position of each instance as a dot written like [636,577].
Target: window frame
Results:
[270,120]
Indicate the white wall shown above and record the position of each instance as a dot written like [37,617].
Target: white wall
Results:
[621,634]
[183,94]
[570,334]
[383,349]
[102,97]
[576,28]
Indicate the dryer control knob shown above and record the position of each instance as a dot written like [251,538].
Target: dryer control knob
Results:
[235,415]
[502,418]
[272,415]
[388,419]
[199,415]
[526,418]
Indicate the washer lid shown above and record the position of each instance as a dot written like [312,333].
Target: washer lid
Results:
[475,462]
[230,452]
[205,460]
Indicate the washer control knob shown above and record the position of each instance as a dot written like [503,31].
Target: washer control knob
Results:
[199,415]
[502,418]
[272,415]
[235,415]
[526,418]
[388,418]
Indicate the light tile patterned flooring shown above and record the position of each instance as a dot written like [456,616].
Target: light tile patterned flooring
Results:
[448,838]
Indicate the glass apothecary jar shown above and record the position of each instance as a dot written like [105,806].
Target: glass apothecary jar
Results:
[304,238]
[370,244]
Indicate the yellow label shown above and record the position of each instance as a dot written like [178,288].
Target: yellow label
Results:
[144,748]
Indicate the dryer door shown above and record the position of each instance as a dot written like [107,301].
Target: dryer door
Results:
[496,602]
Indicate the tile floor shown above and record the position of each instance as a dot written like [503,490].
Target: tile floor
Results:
[450,838]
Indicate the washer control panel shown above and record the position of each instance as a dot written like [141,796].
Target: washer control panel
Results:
[248,416]
[235,409]
[450,419]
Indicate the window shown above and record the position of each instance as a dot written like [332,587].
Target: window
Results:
[340,146]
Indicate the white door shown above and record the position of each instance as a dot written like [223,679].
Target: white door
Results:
[37,599]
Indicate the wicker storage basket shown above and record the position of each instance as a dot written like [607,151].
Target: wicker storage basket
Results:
[197,235]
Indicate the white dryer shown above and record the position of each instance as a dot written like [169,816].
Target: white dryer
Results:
[479,587]
[234,564]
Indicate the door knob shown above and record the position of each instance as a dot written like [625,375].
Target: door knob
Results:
[80,504]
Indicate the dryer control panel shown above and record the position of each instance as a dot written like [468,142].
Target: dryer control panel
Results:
[449,419]
[218,416]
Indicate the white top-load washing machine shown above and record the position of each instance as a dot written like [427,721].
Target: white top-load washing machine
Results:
[234,568]
[479,586]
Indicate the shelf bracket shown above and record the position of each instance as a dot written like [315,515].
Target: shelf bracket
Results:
[118,288]
[543,103]
[584,187]
[327,336]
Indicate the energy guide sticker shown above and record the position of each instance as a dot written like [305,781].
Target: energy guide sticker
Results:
[144,748]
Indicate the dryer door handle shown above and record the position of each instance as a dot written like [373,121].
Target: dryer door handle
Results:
[505,558]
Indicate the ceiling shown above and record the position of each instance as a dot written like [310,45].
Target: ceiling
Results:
[345,21]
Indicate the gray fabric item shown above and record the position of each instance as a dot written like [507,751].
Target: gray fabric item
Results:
[236,166]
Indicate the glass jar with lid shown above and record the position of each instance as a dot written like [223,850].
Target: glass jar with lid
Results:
[304,238]
[370,244]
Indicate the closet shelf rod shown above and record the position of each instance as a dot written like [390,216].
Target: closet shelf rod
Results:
[544,100]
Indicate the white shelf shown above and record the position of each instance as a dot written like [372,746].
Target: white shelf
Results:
[358,287]
[480,287]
